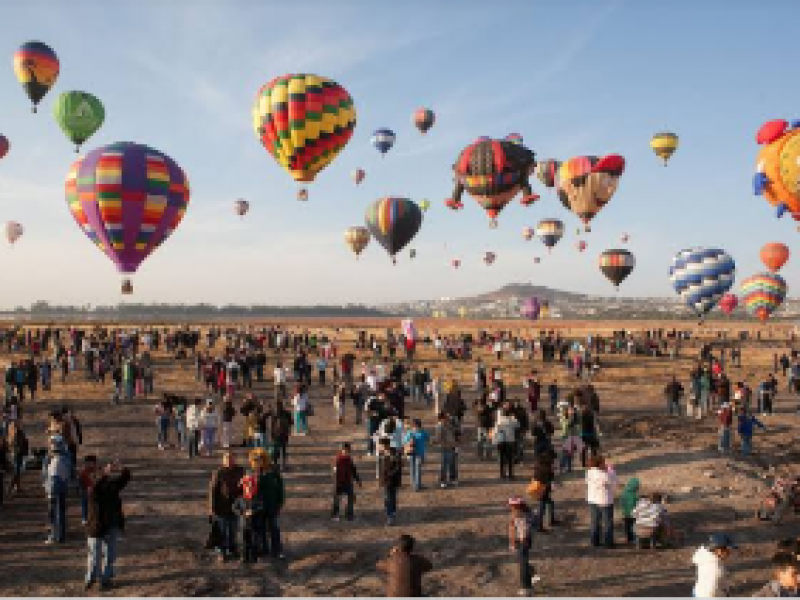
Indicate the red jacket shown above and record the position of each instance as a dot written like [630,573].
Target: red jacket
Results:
[345,471]
[725,416]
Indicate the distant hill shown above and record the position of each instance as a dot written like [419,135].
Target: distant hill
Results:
[524,290]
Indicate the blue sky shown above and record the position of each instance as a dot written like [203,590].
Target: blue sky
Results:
[573,77]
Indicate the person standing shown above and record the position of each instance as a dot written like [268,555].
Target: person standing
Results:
[710,560]
[280,429]
[209,422]
[725,414]
[391,478]
[504,436]
[300,404]
[272,496]
[105,523]
[520,541]
[746,427]
[415,444]
[601,482]
[56,474]
[194,415]
[17,444]
[223,491]
[673,393]
[345,476]
[447,439]
[228,413]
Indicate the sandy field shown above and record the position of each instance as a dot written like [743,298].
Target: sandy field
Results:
[462,530]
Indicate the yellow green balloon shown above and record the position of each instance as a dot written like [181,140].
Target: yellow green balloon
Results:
[425,205]
[664,145]
[80,115]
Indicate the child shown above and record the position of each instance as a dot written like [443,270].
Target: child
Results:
[711,577]
[785,583]
[520,540]
[628,501]
[86,481]
[246,507]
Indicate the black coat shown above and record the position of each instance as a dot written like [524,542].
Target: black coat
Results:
[105,505]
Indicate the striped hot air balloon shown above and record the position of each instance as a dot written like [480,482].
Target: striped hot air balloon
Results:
[383,140]
[550,232]
[664,145]
[528,233]
[586,184]
[393,222]
[774,255]
[241,207]
[127,198]
[303,121]
[701,276]
[357,238]
[762,294]
[616,265]
[423,119]
[547,172]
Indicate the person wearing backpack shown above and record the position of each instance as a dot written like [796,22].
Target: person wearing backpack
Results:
[520,540]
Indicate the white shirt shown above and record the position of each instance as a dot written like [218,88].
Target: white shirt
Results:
[300,402]
[710,574]
[280,375]
[192,417]
[601,486]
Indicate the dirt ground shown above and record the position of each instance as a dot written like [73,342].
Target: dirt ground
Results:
[462,530]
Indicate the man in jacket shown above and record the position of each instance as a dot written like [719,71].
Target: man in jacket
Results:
[404,570]
[223,491]
[391,478]
[345,475]
[447,438]
[272,495]
[105,523]
[673,393]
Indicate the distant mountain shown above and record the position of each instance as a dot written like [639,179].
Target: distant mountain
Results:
[524,290]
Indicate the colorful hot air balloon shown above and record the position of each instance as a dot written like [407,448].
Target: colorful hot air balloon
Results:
[581,245]
[777,175]
[515,138]
[545,311]
[774,255]
[527,233]
[728,303]
[13,231]
[302,194]
[358,175]
[624,238]
[547,172]
[36,67]
[493,172]
[536,260]
[4,146]
[456,263]
[357,238]
[425,205]
[453,204]
[241,207]
[587,183]
[80,115]
[383,140]
[423,119]
[530,308]
[616,265]
[701,276]
[550,232]
[303,121]
[762,294]
[664,145]
[127,198]
[412,253]
[489,258]
[393,222]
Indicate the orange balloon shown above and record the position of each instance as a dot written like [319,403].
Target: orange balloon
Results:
[774,255]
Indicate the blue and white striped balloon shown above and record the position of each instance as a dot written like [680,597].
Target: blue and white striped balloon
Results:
[701,276]
[383,140]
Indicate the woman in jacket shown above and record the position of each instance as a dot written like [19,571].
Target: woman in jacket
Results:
[601,482]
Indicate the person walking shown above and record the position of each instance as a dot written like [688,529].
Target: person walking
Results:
[345,475]
[228,414]
[194,415]
[272,496]
[504,436]
[746,426]
[391,478]
[209,422]
[447,435]
[56,473]
[415,443]
[105,523]
[300,405]
[712,580]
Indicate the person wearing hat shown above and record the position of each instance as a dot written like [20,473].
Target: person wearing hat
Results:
[710,562]
[520,540]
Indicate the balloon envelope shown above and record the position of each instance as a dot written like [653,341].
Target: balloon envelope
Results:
[241,207]
[701,276]
[728,303]
[530,308]
[36,67]
[616,265]
[587,183]
[424,119]
[357,238]
[128,198]
[774,255]
[393,222]
[303,121]
[664,145]
[383,139]
[550,231]
[4,146]
[358,175]
[762,294]
[13,231]
[79,114]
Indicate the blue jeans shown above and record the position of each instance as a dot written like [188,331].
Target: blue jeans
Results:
[260,440]
[300,422]
[747,444]
[102,554]
[565,462]
[725,439]
[525,571]
[84,505]
[163,429]
[390,501]
[449,469]
[416,462]
[180,431]
[606,515]
[228,525]
[58,510]
[129,390]
[345,490]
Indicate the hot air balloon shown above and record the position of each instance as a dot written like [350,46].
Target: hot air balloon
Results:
[581,245]
[4,146]
[664,145]
[393,222]
[530,308]
[728,303]
[774,256]
[13,231]
[241,207]
[456,263]
[587,183]
[358,175]
[701,276]
[624,238]
[762,294]
[423,119]
[777,175]
[383,140]
[616,265]
[493,172]
[303,121]
[412,253]
[425,205]
[489,258]
[302,194]
[550,232]
[453,204]
[357,238]
[527,233]
[545,311]
[36,67]
[80,115]
[128,198]
[536,260]
[514,138]
[547,172]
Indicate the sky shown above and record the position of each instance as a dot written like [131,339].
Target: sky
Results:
[573,77]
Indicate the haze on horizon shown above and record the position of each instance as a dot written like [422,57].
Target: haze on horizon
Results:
[573,78]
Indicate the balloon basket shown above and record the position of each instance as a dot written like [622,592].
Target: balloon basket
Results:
[127,287]
[394,261]
[493,224]
[33,109]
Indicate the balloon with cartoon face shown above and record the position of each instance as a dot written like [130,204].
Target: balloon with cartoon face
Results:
[586,184]
[777,175]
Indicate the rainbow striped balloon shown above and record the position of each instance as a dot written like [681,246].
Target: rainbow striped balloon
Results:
[762,294]
[393,222]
